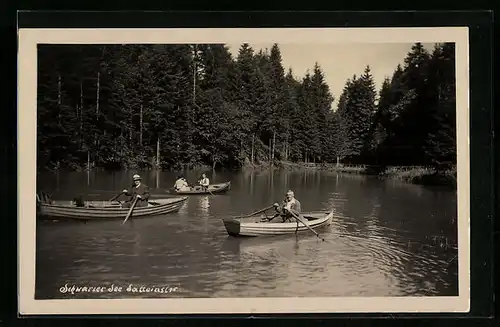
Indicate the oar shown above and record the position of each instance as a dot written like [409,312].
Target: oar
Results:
[131,209]
[256,212]
[209,191]
[300,219]
[116,197]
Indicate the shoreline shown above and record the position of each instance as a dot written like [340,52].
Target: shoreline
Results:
[418,175]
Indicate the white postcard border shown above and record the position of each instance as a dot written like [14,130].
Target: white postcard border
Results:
[27,106]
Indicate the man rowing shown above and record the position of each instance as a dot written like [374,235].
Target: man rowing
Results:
[286,210]
[204,181]
[139,190]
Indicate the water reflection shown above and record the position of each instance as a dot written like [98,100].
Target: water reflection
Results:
[204,204]
[384,240]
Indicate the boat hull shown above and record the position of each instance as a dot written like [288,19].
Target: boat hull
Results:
[254,227]
[214,188]
[102,210]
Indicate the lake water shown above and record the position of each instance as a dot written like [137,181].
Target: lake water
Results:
[388,238]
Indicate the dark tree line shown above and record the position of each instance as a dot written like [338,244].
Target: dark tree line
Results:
[180,106]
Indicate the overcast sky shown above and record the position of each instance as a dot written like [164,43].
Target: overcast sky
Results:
[340,61]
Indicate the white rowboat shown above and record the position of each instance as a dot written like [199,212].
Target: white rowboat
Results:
[252,227]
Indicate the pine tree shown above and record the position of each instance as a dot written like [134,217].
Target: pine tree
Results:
[278,131]
[441,141]
[321,102]
[368,97]
[416,113]
[291,115]
[344,122]
[214,130]
[356,108]
[176,106]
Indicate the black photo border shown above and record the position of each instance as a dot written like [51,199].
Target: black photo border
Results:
[482,182]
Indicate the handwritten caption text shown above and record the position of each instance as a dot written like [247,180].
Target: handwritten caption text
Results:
[130,288]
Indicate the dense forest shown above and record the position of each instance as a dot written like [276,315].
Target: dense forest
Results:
[181,106]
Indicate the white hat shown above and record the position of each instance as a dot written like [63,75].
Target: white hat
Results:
[136,177]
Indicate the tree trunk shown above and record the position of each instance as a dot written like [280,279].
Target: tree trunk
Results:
[253,144]
[286,148]
[140,127]
[58,89]
[96,150]
[270,151]
[97,97]
[88,160]
[59,96]
[338,161]
[96,140]
[274,146]
[121,143]
[79,133]
[130,122]
[194,74]
[81,114]
[158,153]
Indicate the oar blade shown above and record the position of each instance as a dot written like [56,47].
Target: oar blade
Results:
[131,210]
[307,225]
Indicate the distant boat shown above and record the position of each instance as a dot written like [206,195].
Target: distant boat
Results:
[253,226]
[213,188]
[103,210]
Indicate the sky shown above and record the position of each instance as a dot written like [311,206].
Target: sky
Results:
[340,61]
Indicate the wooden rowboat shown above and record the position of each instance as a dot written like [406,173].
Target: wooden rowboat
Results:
[213,188]
[250,227]
[101,210]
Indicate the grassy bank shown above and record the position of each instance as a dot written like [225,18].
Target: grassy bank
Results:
[424,175]
[411,174]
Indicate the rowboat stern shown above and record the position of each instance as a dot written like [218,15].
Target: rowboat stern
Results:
[232,226]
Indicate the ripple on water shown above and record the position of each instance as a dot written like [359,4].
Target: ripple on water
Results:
[379,244]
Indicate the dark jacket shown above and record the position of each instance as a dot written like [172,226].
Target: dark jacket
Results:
[141,190]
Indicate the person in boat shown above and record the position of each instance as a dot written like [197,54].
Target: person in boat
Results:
[78,202]
[204,181]
[286,210]
[139,190]
[181,183]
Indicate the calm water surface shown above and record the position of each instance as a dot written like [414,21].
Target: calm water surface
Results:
[387,239]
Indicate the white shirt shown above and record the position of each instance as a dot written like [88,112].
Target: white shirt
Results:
[288,205]
[205,182]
